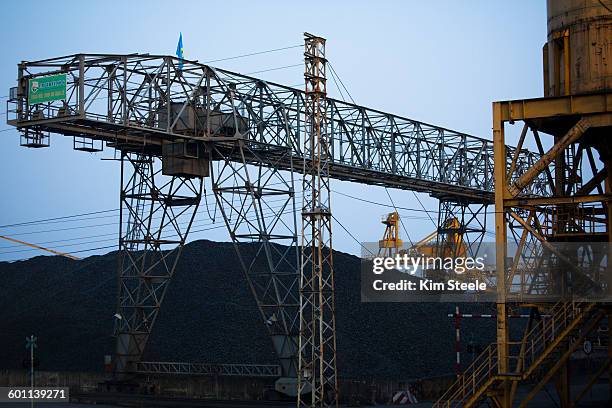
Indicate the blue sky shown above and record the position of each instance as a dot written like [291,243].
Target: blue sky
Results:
[440,62]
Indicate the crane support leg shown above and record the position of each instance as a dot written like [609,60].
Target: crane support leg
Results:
[155,218]
[461,228]
[257,202]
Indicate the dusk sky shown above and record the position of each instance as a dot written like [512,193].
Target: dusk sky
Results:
[441,62]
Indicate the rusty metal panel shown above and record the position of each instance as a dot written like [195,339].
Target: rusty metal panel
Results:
[579,47]
[182,159]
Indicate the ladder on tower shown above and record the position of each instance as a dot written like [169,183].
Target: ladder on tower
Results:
[545,348]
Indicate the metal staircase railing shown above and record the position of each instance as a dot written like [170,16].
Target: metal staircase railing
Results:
[546,335]
[474,378]
[524,356]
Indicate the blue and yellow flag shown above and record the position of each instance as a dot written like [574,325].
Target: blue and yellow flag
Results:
[180,51]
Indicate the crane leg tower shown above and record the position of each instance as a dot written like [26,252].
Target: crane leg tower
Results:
[317,378]
[156,214]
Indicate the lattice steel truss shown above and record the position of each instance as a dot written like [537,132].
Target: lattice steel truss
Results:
[207,369]
[317,377]
[129,98]
[156,215]
[461,228]
[258,206]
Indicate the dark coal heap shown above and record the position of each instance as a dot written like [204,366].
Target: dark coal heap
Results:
[209,315]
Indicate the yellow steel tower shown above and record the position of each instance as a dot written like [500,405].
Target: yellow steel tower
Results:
[391,243]
[552,251]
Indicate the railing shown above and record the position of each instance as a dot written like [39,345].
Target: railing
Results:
[537,345]
[472,379]
[546,335]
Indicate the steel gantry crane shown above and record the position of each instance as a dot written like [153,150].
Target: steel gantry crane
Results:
[176,124]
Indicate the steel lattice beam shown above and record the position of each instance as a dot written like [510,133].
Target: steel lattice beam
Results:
[156,215]
[208,369]
[317,377]
[141,100]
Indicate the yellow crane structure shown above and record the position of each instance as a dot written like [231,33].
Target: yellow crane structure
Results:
[452,245]
[390,244]
[540,239]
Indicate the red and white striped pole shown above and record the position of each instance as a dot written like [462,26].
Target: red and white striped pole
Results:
[458,317]
[457,341]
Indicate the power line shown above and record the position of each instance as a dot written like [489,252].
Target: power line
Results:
[57,218]
[67,218]
[201,210]
[423,207]
[58,246]
[273,69]
[266,214]
[114,234]
[254,53]
[221,225]
[390,206]
[337,86]
[64,229]
[381,204]
[342,83]
[351,235]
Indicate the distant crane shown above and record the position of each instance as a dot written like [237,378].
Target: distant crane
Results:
[391,243]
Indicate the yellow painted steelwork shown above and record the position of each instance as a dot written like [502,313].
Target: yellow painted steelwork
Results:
[391,243]
[574,122]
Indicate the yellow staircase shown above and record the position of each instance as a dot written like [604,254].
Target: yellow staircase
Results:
[543,350]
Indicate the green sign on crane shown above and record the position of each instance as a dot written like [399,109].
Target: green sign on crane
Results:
[47,89]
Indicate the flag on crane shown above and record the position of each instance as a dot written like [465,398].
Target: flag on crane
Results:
[180,51]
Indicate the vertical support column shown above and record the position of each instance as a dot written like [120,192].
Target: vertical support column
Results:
[499,151]
[457,341]
[82,85]
[317,363]
[155,219]
[563,382]
[257,202]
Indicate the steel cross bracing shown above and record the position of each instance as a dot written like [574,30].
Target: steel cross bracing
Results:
[550,249]
[155,217]
[144,99]
[257,203]
[233,370]
[317,377]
